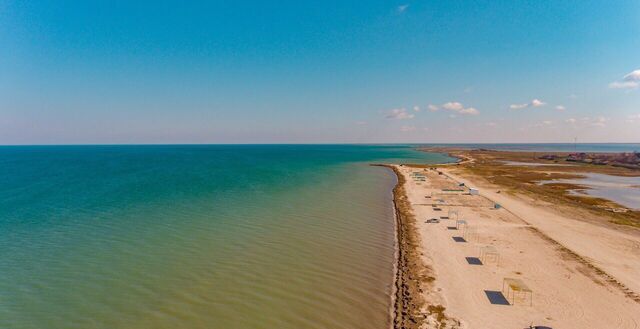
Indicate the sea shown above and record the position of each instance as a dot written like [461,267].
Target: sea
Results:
[198,236]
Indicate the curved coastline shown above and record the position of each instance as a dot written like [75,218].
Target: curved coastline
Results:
[410,273]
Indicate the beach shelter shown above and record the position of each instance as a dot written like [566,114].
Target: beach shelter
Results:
[489,253]
[513,287]
[470,232]
[461,223]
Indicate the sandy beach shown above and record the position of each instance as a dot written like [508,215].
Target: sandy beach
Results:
[320,165]
[567,272]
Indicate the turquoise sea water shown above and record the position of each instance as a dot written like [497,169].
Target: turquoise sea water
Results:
[211,236]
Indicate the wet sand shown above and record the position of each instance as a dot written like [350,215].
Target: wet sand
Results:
[581,274]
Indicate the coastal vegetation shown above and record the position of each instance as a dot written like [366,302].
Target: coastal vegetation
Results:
[536,176]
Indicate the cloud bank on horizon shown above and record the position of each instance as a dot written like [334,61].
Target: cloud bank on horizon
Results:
[301,72]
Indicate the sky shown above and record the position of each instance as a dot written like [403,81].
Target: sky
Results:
[111,72]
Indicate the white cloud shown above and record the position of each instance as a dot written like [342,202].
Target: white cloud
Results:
[560,108]
[545,123]
[406,129]
[629,81]
[633,76]
[458,108]
[518,106]
[399,114]
[534,103]
[537,103]
[599,121]
[624,85]
[469,111]
[453,106]
[432,108]
[402,8]
[633,118]
[416,108]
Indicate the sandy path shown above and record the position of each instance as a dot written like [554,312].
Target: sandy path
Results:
[614,251]
[565,294]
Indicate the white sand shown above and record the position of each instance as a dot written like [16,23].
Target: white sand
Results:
[566,293]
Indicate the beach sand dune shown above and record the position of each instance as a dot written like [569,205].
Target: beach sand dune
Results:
[471,258]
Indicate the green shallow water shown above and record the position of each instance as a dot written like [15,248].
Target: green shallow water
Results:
[250,236]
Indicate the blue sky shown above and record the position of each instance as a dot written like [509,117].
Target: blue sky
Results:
[319,72]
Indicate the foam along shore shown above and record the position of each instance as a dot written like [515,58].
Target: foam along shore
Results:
[500,267]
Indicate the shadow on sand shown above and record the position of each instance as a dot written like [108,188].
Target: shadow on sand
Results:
[496,297]
[473,260]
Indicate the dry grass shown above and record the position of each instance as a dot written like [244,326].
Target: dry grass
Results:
[525,179]
[438,312]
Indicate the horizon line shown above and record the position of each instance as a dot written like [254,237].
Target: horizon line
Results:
[336,143]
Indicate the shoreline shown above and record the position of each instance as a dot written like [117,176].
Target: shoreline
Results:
[410,309]
[396,254]
[405,296]
[562,248]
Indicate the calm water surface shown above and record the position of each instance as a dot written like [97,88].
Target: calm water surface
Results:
[622,190]
[197,236]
